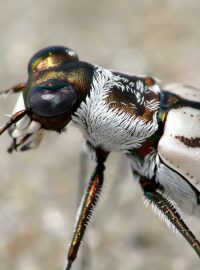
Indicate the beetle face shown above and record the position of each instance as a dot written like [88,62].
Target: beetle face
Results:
[49,97]
[58,82]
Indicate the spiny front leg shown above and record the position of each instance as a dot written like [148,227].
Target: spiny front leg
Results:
[89,201]
[168,210]
[84,157]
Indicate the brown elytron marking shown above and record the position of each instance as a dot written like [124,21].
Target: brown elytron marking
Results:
[190,142]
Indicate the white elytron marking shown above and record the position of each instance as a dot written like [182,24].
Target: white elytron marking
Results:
[182,122]
[177,188]
[25,126]
[112,129]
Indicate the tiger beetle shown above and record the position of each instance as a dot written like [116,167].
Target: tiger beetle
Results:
[157,128]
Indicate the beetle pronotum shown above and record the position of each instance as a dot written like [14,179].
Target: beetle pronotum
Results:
[158,129]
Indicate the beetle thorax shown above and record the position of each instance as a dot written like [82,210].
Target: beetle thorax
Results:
[112,122]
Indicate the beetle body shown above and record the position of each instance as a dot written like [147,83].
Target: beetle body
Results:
[158,130]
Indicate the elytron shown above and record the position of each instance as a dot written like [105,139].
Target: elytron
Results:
[157,127]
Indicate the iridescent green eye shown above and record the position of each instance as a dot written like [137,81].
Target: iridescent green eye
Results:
[51,57]
[52,99]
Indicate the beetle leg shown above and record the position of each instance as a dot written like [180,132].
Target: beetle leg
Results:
[14,119]
[87,206]
[82,182]
[83,170]
[169,211]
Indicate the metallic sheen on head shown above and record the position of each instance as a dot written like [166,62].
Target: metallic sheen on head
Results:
[51,57]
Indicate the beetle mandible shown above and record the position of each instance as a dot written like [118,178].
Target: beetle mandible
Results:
[157,128]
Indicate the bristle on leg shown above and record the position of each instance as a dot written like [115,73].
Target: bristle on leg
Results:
[167,211]
[161,215]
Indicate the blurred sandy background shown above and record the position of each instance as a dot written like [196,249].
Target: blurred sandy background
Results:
[38,189]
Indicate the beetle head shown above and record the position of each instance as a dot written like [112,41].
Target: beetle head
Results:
[57,83]
[49,97]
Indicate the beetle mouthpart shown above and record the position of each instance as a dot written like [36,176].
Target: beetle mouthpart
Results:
[14,119]
[26,142]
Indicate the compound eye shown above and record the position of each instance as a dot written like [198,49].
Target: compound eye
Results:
[51,57]
[52,99]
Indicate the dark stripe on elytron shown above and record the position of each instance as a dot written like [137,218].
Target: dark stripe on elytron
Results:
[190,142]
[192,187]
[170,100]
[189,103]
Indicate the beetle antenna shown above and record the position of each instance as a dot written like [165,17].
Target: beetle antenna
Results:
[6,92]
[15,118]
[15,89]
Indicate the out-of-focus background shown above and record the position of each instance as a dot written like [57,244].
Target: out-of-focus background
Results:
[39,189]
